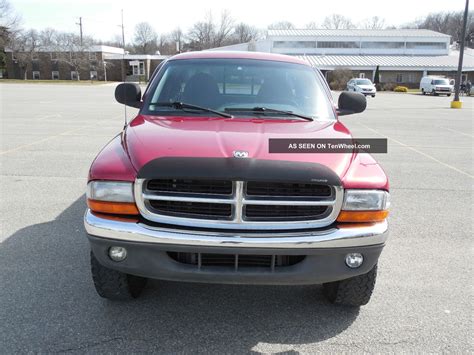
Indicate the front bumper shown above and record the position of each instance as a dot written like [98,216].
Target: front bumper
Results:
[148,249]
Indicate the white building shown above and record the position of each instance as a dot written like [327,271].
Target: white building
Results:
[403,56]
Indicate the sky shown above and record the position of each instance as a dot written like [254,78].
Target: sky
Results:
[101,18]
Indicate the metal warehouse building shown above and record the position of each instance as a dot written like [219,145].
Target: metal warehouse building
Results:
[403,56]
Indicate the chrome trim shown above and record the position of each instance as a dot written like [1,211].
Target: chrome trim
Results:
[238,199]
[331,238]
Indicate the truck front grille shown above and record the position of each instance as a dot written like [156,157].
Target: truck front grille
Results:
[211,187]
[258,188]
[192,209]
[236,261]
[283,212]
[238,205]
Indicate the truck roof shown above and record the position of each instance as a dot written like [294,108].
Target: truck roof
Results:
[238,55]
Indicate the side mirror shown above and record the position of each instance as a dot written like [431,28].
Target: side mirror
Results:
[129,94]
[351,102]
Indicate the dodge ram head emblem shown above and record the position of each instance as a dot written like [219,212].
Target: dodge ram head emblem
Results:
[241,154]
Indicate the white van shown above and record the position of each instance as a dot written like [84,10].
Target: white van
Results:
[435,85]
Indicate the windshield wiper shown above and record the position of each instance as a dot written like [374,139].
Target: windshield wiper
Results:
[263,110]
[178,105]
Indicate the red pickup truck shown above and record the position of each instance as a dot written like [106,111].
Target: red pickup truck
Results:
[189,190]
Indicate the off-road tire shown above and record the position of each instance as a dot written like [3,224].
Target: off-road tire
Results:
[115,285]
[354,292]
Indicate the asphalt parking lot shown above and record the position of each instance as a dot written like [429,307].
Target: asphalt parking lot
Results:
[423,300]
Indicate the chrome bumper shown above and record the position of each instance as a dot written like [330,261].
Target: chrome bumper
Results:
[332,238]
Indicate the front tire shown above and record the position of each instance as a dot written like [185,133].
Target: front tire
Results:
[373,95]
[353,292]
[115,285]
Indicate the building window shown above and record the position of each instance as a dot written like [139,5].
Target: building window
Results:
[93,74]
[426,45]
[92,56]
[338,44]
[54,56]
[362,75]
[74,75]
[382,45]
[138,68]
[55,75]
[294,44]
[36,75]
[399,78]
[411,77]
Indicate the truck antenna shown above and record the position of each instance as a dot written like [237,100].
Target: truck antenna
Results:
[123,72]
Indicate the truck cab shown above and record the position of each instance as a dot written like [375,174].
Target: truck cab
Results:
[189,190]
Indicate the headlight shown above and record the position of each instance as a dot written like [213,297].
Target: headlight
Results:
[112,191]
[111,197]
[364,206]
[366,200]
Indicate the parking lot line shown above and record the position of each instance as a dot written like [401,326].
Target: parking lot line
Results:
[459,132]
[65,133]
[417,151]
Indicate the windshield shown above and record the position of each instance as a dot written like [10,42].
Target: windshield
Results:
[232,84]
[441,82]
[363,82]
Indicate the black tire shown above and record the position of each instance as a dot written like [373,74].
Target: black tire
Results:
[373,95]
[353,292]
[423,91]
[115,285]
[449,95]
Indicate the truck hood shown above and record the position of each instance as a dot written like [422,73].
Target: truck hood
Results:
[151,137]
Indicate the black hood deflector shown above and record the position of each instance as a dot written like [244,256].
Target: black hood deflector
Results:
[238,169]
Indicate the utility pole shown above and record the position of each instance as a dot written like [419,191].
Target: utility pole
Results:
[80,27]
[456,103]
[123,45]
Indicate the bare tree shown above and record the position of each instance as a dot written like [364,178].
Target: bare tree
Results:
[201,34]
[25,46]
[145,38]
[48,38]
[244,33]
[373,23]
[311,25]
[224,29]
[448,22]
[9,23]
[336,21]
[74,52]
[177,37]
[281,25]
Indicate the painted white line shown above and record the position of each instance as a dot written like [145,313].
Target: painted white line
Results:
[417,151]
[459,132]
[43,140]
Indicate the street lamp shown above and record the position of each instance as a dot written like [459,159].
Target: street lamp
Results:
[456,103]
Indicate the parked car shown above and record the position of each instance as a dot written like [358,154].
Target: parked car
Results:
[189,191]
[364,86]
[436,85]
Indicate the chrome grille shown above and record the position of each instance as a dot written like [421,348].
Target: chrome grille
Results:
[238,204]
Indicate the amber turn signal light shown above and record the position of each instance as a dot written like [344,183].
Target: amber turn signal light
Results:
[362,216]
[113,207]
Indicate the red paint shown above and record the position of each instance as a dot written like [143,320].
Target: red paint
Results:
[112,163]
[151,137]
[238,55]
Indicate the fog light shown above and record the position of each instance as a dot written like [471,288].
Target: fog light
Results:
[117,253]
[354,260]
